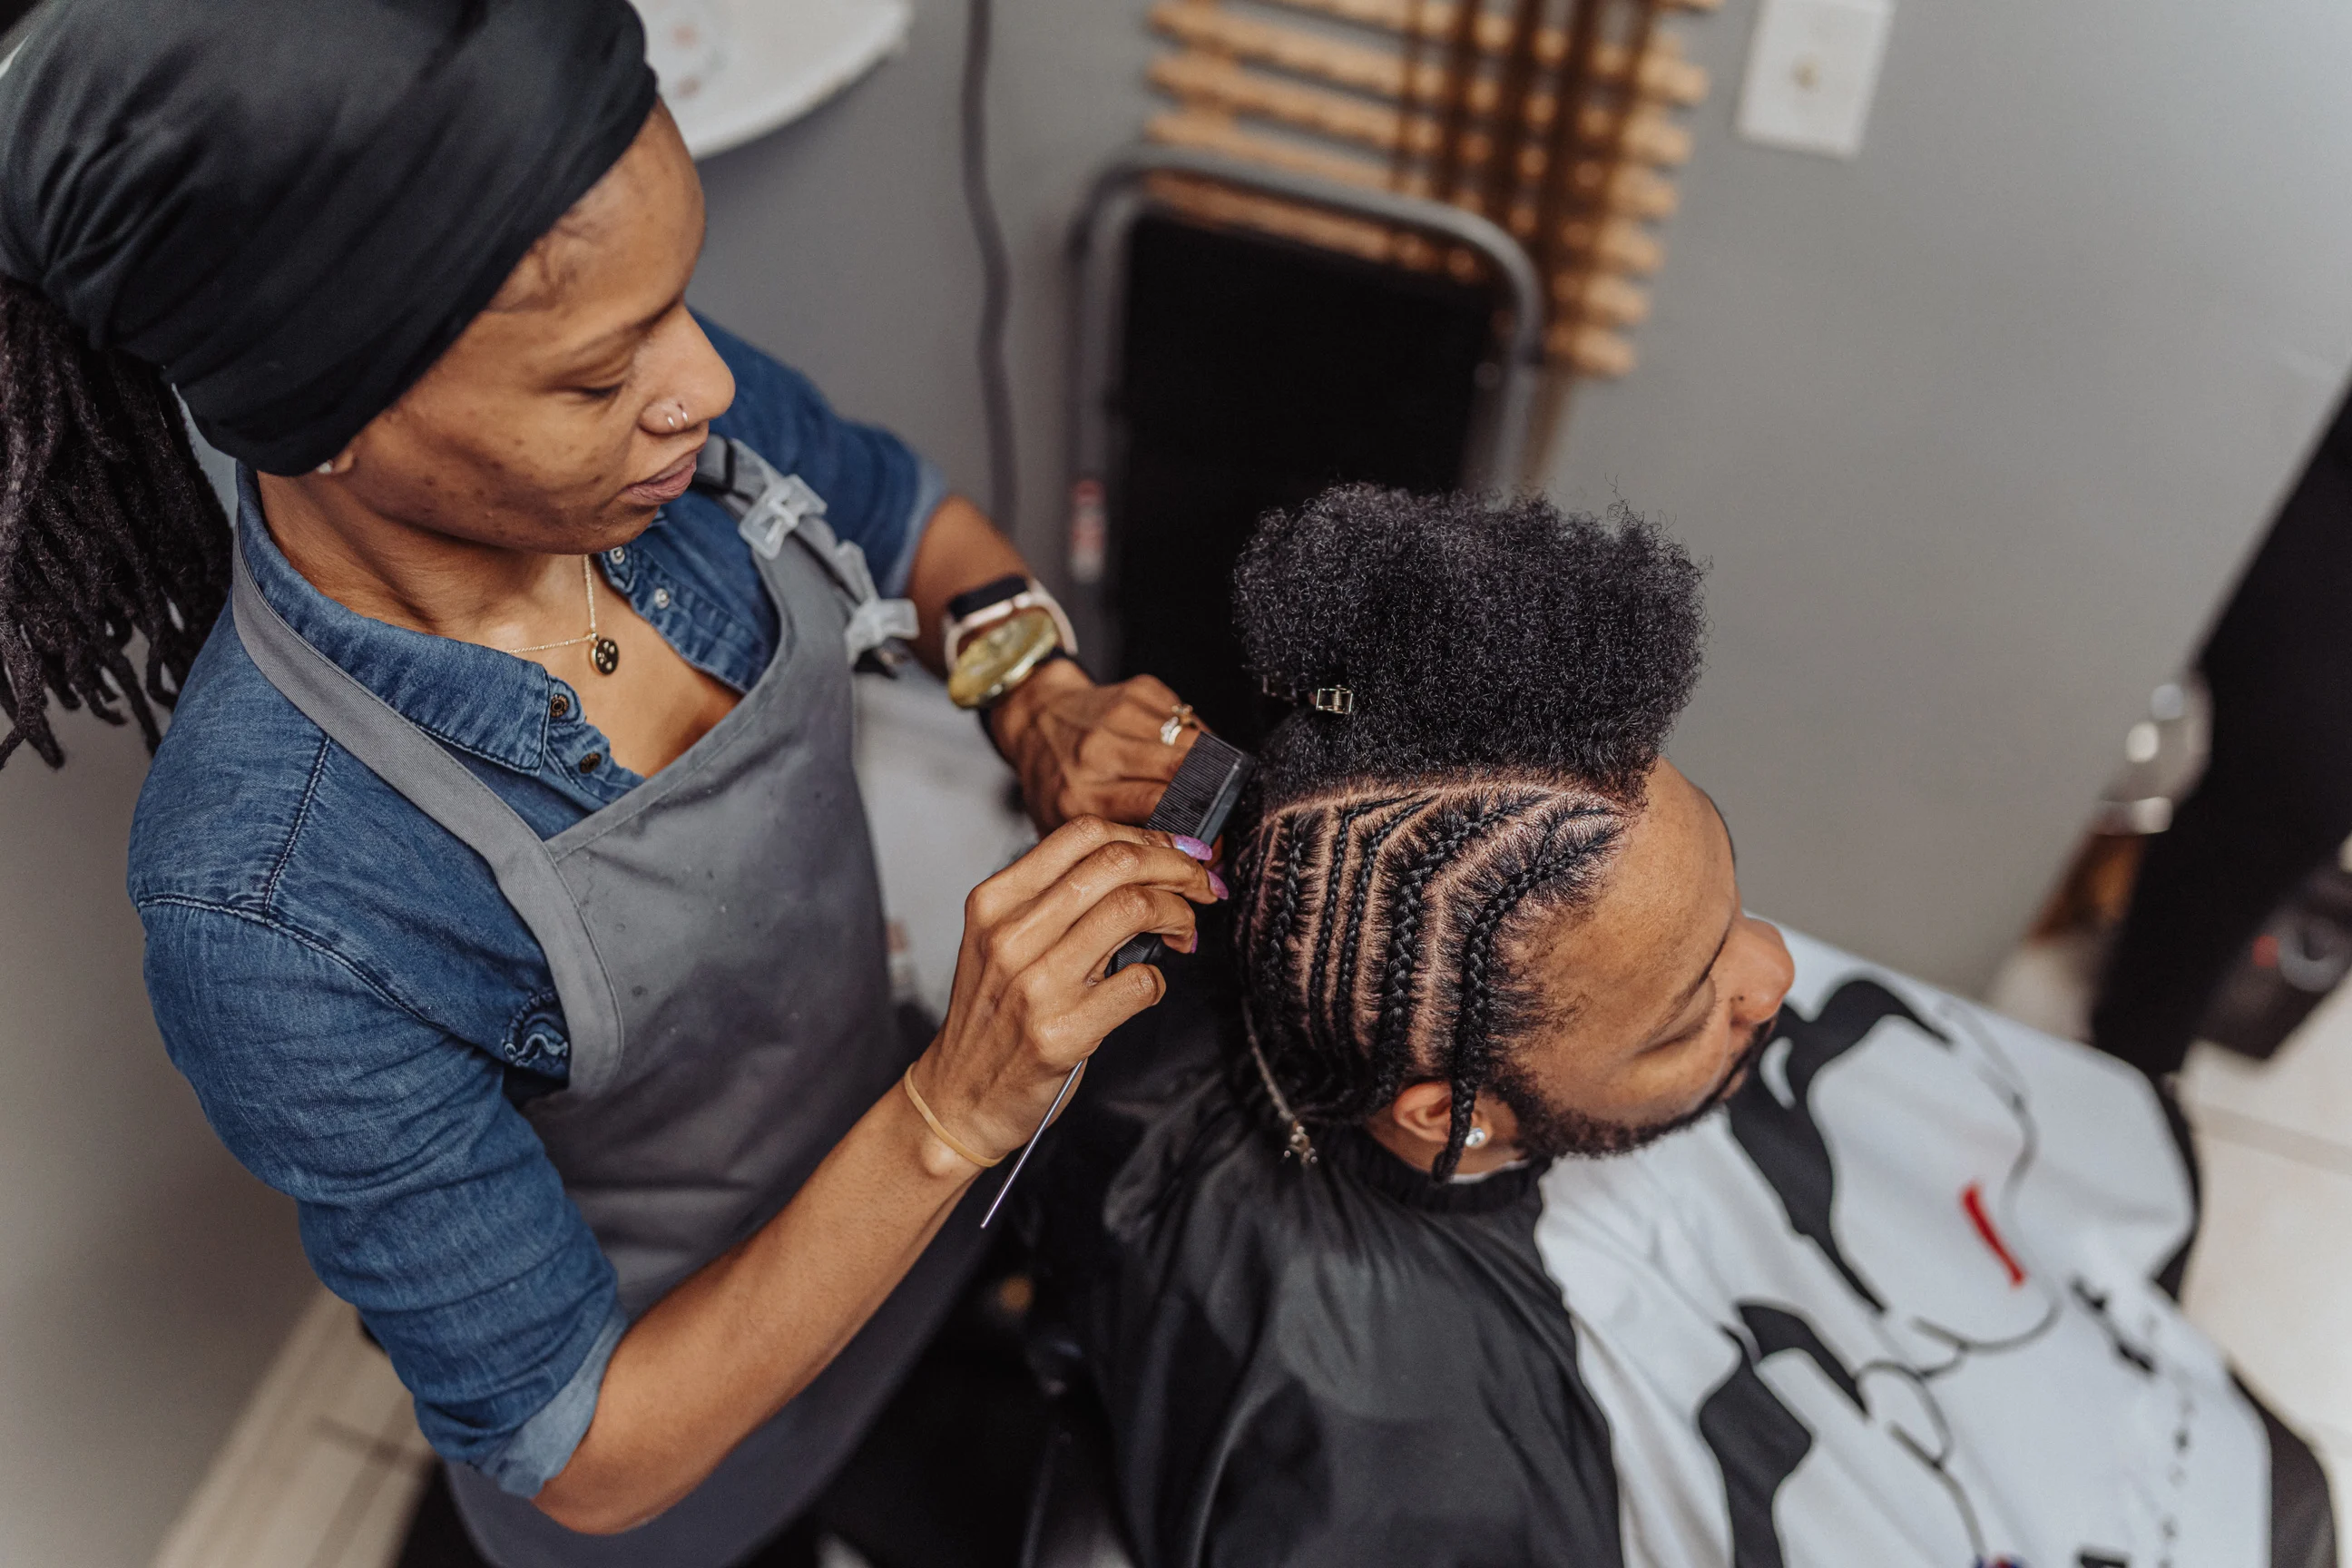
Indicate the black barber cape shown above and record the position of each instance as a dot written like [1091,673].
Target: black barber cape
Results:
[1900,1305]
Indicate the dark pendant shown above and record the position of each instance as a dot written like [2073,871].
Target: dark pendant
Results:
[606,655]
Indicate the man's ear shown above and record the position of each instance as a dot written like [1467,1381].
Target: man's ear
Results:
[1424,1112]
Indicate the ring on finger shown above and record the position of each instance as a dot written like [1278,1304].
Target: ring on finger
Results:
[1176,723]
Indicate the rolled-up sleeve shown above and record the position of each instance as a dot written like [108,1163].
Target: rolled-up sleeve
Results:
[426,1199]
[879,493]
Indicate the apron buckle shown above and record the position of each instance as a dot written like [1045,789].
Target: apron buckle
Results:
[781,508]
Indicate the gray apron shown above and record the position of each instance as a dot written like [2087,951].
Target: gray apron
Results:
[716,936]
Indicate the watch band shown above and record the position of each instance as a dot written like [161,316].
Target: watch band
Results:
[976,609]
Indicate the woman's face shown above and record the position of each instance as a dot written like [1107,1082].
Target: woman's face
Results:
[1656,995]
[572,407]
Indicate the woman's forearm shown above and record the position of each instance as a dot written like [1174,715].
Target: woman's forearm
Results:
[1078,748]
[960,550]
[727,1348]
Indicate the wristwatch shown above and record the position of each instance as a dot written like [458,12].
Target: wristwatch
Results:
[998,636]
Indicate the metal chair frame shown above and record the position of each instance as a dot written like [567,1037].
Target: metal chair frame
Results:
[1507,396]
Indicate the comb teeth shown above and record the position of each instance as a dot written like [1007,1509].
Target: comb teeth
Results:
[1198,799]
[1201,795]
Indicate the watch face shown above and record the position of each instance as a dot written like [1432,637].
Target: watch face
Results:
[998,659]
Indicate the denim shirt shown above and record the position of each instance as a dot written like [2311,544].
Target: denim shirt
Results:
[357,1007]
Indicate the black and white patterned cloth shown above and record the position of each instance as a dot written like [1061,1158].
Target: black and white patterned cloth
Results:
[1906,1302]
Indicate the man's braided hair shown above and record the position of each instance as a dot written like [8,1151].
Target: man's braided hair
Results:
[1514,671]
[109,532]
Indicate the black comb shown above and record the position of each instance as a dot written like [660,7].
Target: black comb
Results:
[1198,798]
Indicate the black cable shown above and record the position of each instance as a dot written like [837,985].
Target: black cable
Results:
[995,271]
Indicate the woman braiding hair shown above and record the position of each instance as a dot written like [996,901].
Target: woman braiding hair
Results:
[506,889]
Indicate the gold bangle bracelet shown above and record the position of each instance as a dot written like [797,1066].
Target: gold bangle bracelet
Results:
[906,1082]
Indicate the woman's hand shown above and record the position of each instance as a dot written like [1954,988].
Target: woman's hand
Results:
[1082,749]
[1031,1000]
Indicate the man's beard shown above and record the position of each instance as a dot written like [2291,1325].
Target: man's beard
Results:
[1548,1131]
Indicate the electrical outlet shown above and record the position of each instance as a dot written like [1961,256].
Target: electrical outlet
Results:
[1812,66]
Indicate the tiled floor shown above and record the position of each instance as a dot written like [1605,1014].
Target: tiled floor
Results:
[324,1468]
[325,1465]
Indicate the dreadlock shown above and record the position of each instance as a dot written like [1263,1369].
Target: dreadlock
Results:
[1515,673]
[108,531]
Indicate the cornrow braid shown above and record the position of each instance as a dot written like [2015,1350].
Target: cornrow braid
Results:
[1392,1035]
[1283,1031]
[1388,881]
[108,531]
[1343,996]
[1471,1059]
[1323,1013]
[1284,918]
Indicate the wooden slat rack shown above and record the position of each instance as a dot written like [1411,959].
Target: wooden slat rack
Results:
[1557,120]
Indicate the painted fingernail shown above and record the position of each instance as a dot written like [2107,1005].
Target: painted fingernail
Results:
[1217,884]
[1194,847]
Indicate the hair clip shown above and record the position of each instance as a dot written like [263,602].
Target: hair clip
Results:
[1323,698]
[1333,699]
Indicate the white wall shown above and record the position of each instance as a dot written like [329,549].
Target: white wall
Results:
[144,1278]
[1977,427]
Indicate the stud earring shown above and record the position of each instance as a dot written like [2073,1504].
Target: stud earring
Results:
[326,467]
[1475,1139]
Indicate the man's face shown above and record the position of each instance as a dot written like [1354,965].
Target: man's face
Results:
[572,407]
[1656,996]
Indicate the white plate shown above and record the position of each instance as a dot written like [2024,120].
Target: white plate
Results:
[734,70]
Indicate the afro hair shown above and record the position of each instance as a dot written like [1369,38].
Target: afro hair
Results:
[1477,636]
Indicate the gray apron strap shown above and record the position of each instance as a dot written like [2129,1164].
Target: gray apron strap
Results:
[421,769]
[769,508]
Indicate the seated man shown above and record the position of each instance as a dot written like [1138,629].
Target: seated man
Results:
[1358,1298]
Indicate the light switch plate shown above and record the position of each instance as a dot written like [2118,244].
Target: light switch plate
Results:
[1812,68]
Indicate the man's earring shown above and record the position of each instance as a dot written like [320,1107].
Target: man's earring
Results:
[326,467]
[1475,1139]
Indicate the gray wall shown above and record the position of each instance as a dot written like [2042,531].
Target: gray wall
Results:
[842,242]
[1977,429]
[145,1280]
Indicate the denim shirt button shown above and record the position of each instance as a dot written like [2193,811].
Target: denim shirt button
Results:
[592,761]
[559,706]
[617,554]
[661,599]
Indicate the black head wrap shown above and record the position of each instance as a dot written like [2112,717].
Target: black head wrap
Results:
[293,207]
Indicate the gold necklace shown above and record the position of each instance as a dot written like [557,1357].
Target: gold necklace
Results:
[603,652]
